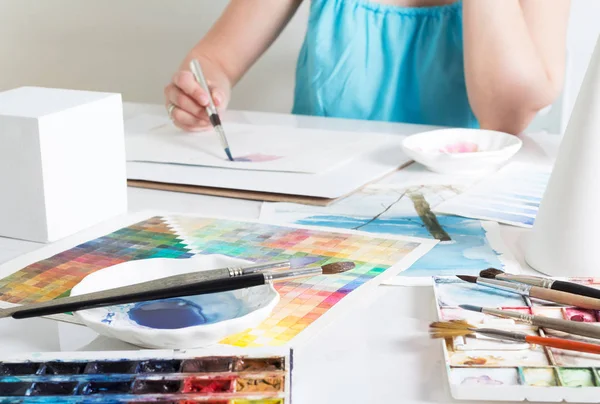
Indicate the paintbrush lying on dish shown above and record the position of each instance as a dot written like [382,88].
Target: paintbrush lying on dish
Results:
[568,326]
[190,284]
[458,328]
[563,286]
[536,292]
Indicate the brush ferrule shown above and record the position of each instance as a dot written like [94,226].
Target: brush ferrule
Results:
[529,280]
[547,283]
[526,318]
[235,271]
[299,273]
[520,288]
[252,269]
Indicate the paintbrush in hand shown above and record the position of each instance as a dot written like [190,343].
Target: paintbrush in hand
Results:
[178,286]
[550,295]
[211,110]
[457,328]
[568,326]
[563,286]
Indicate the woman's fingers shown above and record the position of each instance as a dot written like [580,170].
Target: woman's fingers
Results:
[186,112]
[186,82]
[189,101]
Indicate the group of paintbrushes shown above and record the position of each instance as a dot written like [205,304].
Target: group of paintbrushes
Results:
[190,284]
[555,291]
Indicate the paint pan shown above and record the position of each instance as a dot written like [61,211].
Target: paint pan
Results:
[483,372]
[210,376]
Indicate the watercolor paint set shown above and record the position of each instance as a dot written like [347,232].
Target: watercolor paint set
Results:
[510,196]
[216,376]
[486,369]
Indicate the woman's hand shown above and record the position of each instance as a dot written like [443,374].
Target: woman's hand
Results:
[240,36]
[186,100]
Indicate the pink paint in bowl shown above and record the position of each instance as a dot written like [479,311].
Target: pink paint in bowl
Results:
[460,147]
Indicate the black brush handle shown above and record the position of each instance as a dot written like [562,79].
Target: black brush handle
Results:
[576,289]
[191,289]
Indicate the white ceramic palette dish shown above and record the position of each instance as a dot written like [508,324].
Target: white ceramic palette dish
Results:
[456,150]
[187,322]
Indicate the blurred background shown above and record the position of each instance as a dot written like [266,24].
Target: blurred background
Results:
[134,46]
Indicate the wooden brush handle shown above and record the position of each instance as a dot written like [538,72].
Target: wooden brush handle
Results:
[572,327]
[563,344]
[568,299]
[165,283]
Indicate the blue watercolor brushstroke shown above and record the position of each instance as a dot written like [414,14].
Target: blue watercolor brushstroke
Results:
[468,253]
[511,209]
[500,216]
[522,197]
[502,199]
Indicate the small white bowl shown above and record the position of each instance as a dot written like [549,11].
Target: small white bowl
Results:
[457,150]
[193,322]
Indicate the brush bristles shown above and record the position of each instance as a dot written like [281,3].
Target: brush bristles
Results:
[490,273]
[337,268]
[450,329]
[467,278]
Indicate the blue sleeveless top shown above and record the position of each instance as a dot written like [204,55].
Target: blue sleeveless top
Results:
[365,60]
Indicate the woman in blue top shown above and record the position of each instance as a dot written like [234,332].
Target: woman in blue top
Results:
[472,63]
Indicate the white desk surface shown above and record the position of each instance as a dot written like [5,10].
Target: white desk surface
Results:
[378,354]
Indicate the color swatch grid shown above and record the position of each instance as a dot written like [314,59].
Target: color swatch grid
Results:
[54,277]
[303,301]
[488,369]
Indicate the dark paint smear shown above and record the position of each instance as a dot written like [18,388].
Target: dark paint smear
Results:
[153,366]
[19,369]
[258,365]
[167,314]
[14,389]
[214,364]
[156,386]
[64,368]
[105,388]
[54,389]
[111,367]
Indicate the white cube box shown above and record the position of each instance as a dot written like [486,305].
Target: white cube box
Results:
[62,161]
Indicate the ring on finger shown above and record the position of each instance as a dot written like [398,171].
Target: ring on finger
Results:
[170,109]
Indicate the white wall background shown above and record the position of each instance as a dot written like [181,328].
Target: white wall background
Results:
[133,47]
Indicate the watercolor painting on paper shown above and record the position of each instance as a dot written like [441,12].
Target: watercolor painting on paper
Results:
[465,246]
[511,196]
[281,149]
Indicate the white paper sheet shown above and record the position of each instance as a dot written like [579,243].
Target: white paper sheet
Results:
[331,184]
[264,148]
[510,196]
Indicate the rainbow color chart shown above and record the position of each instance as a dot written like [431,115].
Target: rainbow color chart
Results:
[304,302]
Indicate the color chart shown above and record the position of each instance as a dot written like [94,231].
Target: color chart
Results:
[306,304]
[486,369]
[511,196]
[183,377]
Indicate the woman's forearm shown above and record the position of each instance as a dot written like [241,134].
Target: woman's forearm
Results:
[243,33]
[514,58]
